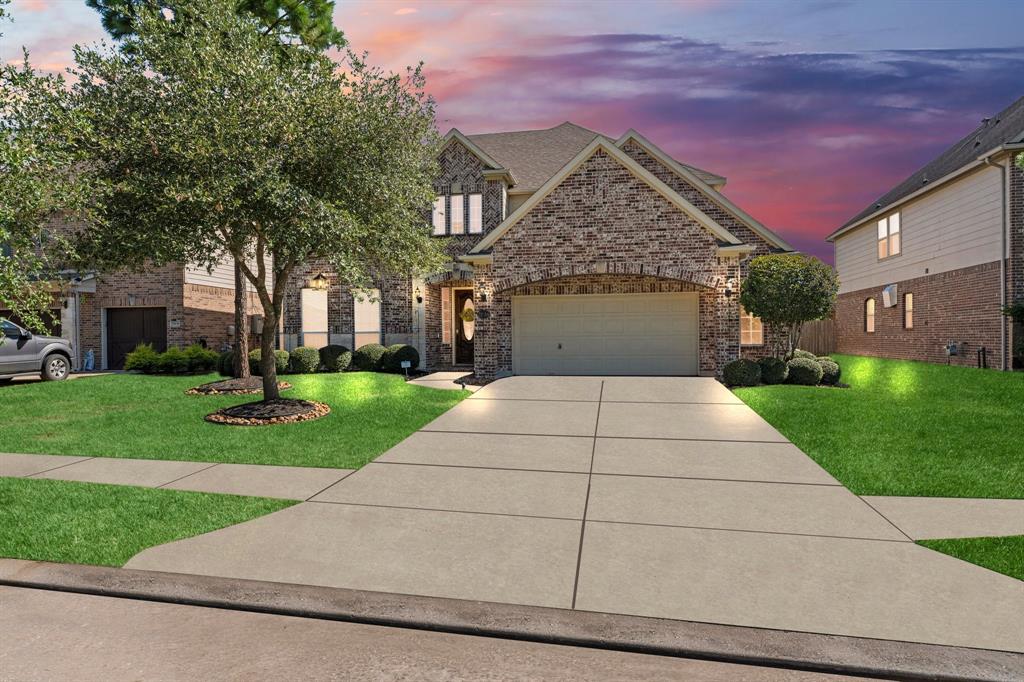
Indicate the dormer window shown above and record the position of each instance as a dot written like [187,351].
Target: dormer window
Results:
[889,236]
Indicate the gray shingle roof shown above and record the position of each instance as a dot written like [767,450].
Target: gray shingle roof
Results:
[1005,127]
[533,156]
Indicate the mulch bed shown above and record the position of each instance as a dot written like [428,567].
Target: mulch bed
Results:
[245,386]
[263,413]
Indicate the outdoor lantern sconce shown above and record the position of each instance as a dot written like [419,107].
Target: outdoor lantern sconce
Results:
[730,288]
[419,295]
[483,297]
[319,282]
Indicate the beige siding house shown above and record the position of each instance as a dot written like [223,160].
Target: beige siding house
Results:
[925,270]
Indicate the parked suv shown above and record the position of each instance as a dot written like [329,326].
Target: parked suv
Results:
[22,352]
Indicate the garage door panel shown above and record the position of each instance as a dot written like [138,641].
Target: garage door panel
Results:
[650,334]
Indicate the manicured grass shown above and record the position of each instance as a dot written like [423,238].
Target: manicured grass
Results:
[93,523]
[907,428]
[1003,555]
[150,417]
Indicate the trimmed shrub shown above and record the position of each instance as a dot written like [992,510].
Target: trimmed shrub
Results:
[368,357]
[830,371]
[173,361]
[804,354]
[396,354]
[226,364]
[201,359]
[773,370]
[804,371]
[742,372]
[305,360]
[142,359]
[280,361]
[335,358]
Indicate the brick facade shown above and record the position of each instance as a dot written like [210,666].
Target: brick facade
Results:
[960,305]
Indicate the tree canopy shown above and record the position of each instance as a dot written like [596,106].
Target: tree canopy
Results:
[308,21]
[37,186]
[785,290]
[211,136]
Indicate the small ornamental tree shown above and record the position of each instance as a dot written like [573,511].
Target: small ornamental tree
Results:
[786,290]
[209,135]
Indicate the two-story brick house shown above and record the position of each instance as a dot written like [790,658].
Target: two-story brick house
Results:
[571,253]
[929,265]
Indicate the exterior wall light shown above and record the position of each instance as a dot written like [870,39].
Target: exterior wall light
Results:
[319,282]
[419,295]
[730,288]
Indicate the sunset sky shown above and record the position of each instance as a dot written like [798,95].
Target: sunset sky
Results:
[810,109]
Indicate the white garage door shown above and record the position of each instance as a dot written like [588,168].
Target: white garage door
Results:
[626,334]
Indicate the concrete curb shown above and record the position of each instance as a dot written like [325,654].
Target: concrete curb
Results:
[755,646]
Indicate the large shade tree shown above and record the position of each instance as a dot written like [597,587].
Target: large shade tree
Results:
[786,290]
[37,186]
[309,22]
[209,135]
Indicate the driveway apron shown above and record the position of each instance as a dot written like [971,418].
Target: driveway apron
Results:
[664,497]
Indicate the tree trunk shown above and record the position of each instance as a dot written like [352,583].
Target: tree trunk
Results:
[241,360]
[268,363]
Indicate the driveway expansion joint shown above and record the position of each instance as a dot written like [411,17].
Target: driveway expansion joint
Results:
[586,502]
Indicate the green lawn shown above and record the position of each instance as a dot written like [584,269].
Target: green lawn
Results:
[93,523]
[1003,555]
[150,417]
[907,428]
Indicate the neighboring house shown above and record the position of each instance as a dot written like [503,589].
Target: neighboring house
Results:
[572,253]
[173,305]
[929,265]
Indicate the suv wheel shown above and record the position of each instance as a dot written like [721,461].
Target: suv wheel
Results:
[56,367]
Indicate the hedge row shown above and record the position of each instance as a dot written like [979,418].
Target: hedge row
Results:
[804,369]
[191,360]
[333,358]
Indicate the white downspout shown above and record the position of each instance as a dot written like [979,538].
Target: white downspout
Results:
[1003,341]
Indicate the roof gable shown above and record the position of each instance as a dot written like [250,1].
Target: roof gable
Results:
[610,148]
[688,174]
[535,155]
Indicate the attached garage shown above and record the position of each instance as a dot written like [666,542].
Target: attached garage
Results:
[128,327]
[616,334]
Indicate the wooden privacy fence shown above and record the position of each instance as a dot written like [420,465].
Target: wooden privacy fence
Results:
[819,337]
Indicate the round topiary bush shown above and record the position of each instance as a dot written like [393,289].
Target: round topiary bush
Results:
[830,371]
[368,357]
[773,370]
[281,359]
[804,371]
[804,354]
[304,360]
[398,353]
[742,372]
[335,358]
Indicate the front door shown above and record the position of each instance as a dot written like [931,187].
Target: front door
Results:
[465,324]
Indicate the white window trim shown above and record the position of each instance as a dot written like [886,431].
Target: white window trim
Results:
[476,213]
[886,223]
[753,318]
[457,211]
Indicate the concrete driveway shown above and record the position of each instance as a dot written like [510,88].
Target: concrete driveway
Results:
[661,497]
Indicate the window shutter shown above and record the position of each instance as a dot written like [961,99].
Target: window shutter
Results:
[446,315]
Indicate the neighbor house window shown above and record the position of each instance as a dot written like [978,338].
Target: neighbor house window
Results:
[438,216]
[367,317]
[751,329]
[458,222]
[314,318]
[869,316]
[908,311]
[476,213]
[889,236]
